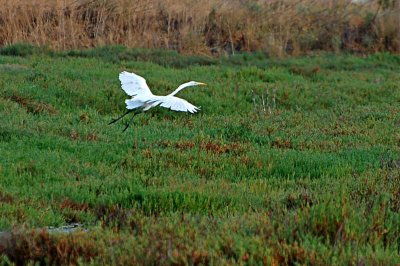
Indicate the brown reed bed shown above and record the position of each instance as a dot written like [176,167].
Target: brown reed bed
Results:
[277,27]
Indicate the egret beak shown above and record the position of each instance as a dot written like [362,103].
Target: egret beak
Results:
[201,84]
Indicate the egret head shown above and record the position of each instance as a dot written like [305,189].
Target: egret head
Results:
[195,83]
[185,85]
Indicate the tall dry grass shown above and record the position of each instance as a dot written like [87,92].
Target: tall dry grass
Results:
[277,27]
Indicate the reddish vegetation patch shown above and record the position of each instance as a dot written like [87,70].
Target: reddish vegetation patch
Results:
[147,153]
[165,143]
[33,106]
[91,137]
[300,200]
[292,253]
[5,197]
[74,135]
[68,204]
[115,217]
[214,147]
[184,145]
[208,146]
[218,148]
[282,143]
[84,118]
[42,248]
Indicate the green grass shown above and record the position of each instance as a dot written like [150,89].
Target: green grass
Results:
[314,181]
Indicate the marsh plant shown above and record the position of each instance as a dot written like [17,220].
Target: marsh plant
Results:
[264,103]
[311,179]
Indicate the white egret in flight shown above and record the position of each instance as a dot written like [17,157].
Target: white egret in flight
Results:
[142,98]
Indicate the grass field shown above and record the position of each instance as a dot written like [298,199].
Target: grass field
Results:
[312,179]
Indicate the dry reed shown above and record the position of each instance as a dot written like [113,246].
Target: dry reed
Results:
[277,27]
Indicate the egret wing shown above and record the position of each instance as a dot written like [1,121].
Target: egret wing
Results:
[178,104]
[133,84]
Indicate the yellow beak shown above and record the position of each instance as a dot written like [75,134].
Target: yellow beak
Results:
[201,84]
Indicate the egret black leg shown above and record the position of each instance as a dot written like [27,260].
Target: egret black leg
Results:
[130,120]
[117,119]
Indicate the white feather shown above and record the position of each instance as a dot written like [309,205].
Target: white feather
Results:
[177,104]
[132,104]
[136,87]
[133,84]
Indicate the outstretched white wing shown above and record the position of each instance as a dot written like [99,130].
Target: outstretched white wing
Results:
[133,84]
[177,104]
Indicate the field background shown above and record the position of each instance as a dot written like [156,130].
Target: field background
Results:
[217,27]
[294,158]
[289,161]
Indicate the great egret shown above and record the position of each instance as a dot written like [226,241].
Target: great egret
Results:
[142,98]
